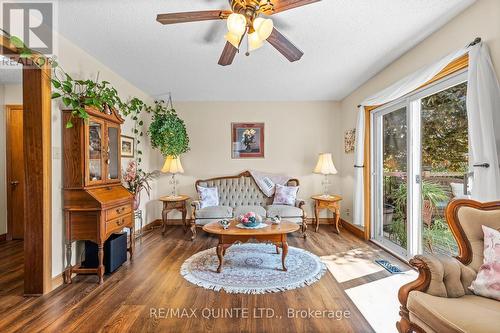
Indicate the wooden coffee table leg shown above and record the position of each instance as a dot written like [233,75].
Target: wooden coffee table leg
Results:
[284,245]
[220,254]
[277,249]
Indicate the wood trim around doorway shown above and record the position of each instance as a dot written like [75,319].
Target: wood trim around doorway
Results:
[37,111]
[8,114]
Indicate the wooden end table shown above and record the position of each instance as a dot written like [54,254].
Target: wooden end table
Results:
[171,203]
[274,233]
[331,203]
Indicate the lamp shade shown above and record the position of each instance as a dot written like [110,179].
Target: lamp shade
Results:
[237,24]
[325,165]
[172,165]
[263,27]
[254,41]
[233,38]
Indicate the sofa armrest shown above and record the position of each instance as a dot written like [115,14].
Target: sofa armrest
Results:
[441,276]
[196,205]
[299,203]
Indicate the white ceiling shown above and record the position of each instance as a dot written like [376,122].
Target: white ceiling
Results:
[345,42]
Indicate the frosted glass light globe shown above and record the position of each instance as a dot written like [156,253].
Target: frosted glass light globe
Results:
[264,27]
[237,24]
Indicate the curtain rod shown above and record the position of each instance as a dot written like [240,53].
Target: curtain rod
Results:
[475,41]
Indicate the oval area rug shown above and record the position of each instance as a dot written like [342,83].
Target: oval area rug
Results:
[253,269]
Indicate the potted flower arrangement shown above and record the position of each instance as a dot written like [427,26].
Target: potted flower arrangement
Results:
[136,180]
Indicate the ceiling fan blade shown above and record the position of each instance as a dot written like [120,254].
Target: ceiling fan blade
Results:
[282,5]
[284,46]
[208,15]
[228,55]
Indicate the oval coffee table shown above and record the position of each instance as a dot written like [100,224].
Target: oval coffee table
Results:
[273,233]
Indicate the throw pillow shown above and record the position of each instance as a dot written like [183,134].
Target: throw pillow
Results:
[209,196]
[285,195]
[487,282]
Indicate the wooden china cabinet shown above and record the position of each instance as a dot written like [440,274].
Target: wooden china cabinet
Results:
[96,205]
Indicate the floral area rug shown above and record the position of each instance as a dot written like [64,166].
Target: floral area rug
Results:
[253,269]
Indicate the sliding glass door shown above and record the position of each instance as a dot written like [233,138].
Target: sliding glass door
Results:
[419,162]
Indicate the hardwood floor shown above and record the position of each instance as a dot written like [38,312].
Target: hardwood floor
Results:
[152,282]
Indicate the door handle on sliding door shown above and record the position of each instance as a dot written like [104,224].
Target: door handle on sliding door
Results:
[14,183]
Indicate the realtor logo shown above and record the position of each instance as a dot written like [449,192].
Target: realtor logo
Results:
[31,22]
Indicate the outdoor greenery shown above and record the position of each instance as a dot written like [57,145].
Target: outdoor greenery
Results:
[432,192]
[445,144]
[167,131]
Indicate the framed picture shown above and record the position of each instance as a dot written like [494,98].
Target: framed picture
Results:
[127,146]
[247,140]
[349,141]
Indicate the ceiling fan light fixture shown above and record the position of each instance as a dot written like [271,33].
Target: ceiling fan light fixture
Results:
[254,41]
[234,39]
[237,24]
[264,27]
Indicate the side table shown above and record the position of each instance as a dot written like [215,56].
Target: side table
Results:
[331,203]
[171,203]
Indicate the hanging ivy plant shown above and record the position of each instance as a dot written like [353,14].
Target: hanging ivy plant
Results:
[167,131]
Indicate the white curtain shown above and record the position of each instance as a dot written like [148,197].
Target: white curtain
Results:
[483,111]
[359,162]
[484,82]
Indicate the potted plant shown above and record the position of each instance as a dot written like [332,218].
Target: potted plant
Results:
[167,131]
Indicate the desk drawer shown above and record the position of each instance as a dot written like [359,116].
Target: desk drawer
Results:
[117,224]
[119,211]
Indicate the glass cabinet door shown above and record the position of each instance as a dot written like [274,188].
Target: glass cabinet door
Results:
[113,148]
[95,144]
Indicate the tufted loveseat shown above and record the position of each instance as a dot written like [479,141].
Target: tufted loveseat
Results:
[239,195]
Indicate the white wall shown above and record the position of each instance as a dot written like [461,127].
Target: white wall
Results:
[295,133]
[9,95]
[479,20]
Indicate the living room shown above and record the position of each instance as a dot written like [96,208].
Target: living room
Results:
[257,166]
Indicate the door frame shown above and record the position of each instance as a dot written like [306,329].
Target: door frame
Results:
[37,111]
[9,108]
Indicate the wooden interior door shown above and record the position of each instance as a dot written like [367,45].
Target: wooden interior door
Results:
[15,172]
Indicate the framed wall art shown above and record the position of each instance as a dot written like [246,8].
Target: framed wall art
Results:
[127,146]
[247,140]
[349,141]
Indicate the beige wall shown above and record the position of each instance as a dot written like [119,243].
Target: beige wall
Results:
[295,133]
[81,65]
[9,95]
[481,19]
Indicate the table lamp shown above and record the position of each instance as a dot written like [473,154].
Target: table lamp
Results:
[325,167]
[173,166]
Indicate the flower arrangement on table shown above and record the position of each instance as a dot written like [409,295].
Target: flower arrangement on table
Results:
[250,219]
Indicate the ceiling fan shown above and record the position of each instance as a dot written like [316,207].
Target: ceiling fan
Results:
[245,18]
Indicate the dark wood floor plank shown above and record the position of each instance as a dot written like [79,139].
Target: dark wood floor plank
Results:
[152,281]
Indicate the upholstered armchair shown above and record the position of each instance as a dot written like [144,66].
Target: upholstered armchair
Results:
[239,195]
[440,300]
